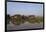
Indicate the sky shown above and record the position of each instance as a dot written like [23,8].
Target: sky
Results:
[24,8]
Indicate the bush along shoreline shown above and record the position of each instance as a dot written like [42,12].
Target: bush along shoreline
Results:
[19,19]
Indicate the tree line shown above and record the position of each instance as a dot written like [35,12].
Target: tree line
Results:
[19,19]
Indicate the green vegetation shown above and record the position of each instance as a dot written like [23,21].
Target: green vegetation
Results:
[35,19]
[18,20]
[22,19]
[8,18]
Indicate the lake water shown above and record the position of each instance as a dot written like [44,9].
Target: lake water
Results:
[24,26]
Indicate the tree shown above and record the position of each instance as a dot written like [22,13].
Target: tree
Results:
[37,19]
[8,18]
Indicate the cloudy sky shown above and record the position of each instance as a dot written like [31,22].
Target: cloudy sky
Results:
[24,8]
